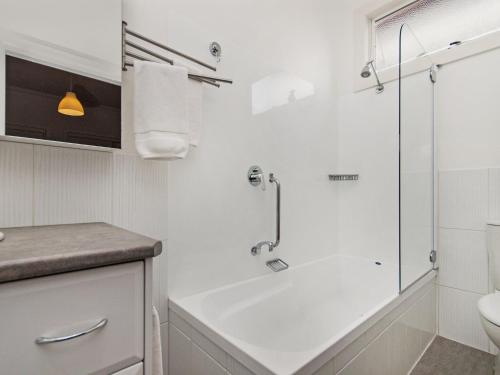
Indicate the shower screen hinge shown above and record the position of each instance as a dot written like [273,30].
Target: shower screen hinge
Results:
[433,256]
[433,73]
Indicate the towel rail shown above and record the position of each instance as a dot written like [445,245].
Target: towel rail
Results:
[127,53]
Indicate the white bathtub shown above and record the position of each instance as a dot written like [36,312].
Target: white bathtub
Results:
[293,321]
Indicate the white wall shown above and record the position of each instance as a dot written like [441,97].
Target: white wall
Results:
[469,159]
[368,145]
[215,216]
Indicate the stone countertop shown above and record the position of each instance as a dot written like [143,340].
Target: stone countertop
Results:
[46,250]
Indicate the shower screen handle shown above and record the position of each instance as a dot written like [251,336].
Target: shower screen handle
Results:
[274,180]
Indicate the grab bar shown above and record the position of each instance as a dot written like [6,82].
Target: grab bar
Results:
[274,180]
[255,177]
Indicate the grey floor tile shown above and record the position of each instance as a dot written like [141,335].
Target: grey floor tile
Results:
[446,357]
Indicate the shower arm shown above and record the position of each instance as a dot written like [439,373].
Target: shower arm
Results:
[274,180]
[379,85]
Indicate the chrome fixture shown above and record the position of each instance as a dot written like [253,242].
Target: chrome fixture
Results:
[277,265]
[255,177]
[50,340]
[216,51]
[126,52]
[343,177]
[366,72]
[274,180]
[257,249]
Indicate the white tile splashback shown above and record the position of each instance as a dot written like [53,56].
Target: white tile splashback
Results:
[140,195]
[463,260]
[459,318]
[72,186]
[463,199]
[16,184]
[44,185]
[494,194]
[469,198]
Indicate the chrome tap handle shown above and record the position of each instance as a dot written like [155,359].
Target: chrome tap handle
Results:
[256,177]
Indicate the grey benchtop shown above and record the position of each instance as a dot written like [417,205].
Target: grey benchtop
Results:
[46,250]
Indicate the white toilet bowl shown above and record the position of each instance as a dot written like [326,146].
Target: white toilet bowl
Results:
[489,310]
[489,306]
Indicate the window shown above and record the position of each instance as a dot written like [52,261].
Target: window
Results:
[435,25]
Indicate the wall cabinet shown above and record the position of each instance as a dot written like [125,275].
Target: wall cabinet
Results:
[83,37]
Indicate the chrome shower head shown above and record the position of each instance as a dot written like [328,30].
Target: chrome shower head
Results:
[366,72]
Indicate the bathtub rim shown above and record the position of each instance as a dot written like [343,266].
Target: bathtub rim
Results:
[331,349]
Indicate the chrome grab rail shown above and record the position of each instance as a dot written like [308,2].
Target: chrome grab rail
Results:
[274,180]
[255,178]
[50,340]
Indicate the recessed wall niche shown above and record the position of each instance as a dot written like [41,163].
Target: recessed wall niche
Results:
[33,96]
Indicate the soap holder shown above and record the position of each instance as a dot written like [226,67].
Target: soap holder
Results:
[343,177]
[277,265]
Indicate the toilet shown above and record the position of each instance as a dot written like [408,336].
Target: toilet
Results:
[489,306]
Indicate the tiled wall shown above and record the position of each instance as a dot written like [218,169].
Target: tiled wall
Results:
[468,199]
[42,185]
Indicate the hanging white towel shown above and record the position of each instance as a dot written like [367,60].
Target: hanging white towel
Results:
[161,122]
[157,354]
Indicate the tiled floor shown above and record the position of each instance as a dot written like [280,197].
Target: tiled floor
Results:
[445,357]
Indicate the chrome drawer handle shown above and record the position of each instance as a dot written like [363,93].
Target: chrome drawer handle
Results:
[50,340]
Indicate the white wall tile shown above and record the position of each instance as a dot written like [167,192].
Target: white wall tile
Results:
[164,346]
[358,366]
[236,368]
[463,260]
[140,195]
[72,186]
[398,347]
[179,352]
[156,284]
[463,199]
[494,194]
[327,369]
[493,349]
[203,364]
[163,281]
[459,318]
[16,184]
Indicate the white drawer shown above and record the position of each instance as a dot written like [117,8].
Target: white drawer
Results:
[65,304]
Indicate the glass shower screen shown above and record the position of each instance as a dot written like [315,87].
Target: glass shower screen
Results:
[416,163]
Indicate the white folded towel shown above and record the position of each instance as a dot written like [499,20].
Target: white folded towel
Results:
[157,354]
[161,121]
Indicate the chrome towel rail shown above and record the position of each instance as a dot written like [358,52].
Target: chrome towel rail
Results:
[214,81]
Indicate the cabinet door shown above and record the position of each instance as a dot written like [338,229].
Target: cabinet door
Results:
[64,305]
[79,35]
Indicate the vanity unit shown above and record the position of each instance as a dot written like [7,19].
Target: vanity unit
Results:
[76,299]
